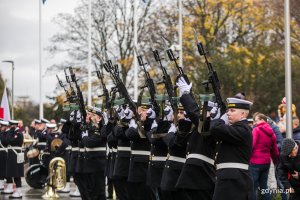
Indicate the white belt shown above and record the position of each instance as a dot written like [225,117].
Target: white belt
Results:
[42,143]
[201,157]
[158,158]
[114,150]
[3,149]
[109,150]
[15,148]
[96,149]
[81,150]
[75,149]
[138,152]
[232,165]
[124,149]
[177,159]
[69,148]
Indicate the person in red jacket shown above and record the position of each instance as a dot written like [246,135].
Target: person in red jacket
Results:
[264,148]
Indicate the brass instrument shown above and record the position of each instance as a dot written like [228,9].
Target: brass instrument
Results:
[57,177]
[56,143]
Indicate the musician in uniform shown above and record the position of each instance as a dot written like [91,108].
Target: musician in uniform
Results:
[234,151]
[57,144]
[197,178]
[14,167]
[95,154]
[3,151]
[176,140]
[159,152]
[42,139]
[33,148]
[140,152]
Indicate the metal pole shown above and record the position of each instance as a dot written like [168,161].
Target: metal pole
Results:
[135,56]
[180,33]
[89,53]
[40,60]
[288,79]
[12,85]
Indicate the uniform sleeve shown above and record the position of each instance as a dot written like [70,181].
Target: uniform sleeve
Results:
[169,139]
[191,108]
[283,174]
[150,133]
[132,134]
[91,141]
[233,134]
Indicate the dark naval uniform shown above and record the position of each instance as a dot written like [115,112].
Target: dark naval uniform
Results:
[121,167]
[197,177]
[233,178]
[140,152]
[42,147]
[14,169]
[158,157]
[3,154]
[95,160]
[177,156]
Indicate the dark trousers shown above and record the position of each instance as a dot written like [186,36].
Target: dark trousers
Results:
[121,188]
[158,194]
[81,182]
[295,196]
[174,195]
[16,180]
[96,185]
[110,188]
[259,174]
[197,194]
[138,191]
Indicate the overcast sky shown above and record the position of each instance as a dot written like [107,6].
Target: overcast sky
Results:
[19,42]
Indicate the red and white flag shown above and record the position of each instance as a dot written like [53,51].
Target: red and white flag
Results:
[4,110]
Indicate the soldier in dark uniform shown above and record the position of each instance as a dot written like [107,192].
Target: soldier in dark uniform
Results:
[14,168]
[76,161]
[121,166]
[47,155]
[232,161]
[176,140]
[197,177]
[95,154]
[140,152]
[159,152]
[42,141]
[3,151]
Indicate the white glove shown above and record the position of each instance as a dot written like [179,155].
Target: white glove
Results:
[72,115]
[215,113]
[84,134]
[183,86]
[225,118]
[154,124]
[78,116]
[132,124]
[172,129]
[120,111]
[105,118]
[151,113]
[128,114]
[168,111]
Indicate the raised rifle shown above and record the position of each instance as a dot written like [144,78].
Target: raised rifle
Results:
[168,83]
[113,70]
[69,97]
[213,79]
[105,91]
[80,99]
[149,83]
[73,93]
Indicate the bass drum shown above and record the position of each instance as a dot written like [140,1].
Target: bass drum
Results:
[36,176]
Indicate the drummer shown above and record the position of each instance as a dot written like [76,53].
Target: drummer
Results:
[3,153]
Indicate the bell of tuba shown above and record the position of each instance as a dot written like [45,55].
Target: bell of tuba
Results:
[57,177]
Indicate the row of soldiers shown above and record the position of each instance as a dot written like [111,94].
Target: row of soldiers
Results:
[169,157]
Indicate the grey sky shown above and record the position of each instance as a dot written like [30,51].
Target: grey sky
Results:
[19,42]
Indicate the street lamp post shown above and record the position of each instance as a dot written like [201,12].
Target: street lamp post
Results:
[12,89]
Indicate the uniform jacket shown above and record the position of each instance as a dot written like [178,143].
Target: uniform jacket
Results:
[3,153]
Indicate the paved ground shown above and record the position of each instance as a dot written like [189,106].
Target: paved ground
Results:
[33,194]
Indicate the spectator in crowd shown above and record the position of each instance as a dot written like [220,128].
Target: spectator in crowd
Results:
[289,167]
[296,129]
[263,149]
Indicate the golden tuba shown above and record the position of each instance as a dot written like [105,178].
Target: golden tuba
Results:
[57,177]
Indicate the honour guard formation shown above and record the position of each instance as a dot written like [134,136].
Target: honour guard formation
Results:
[169,142]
